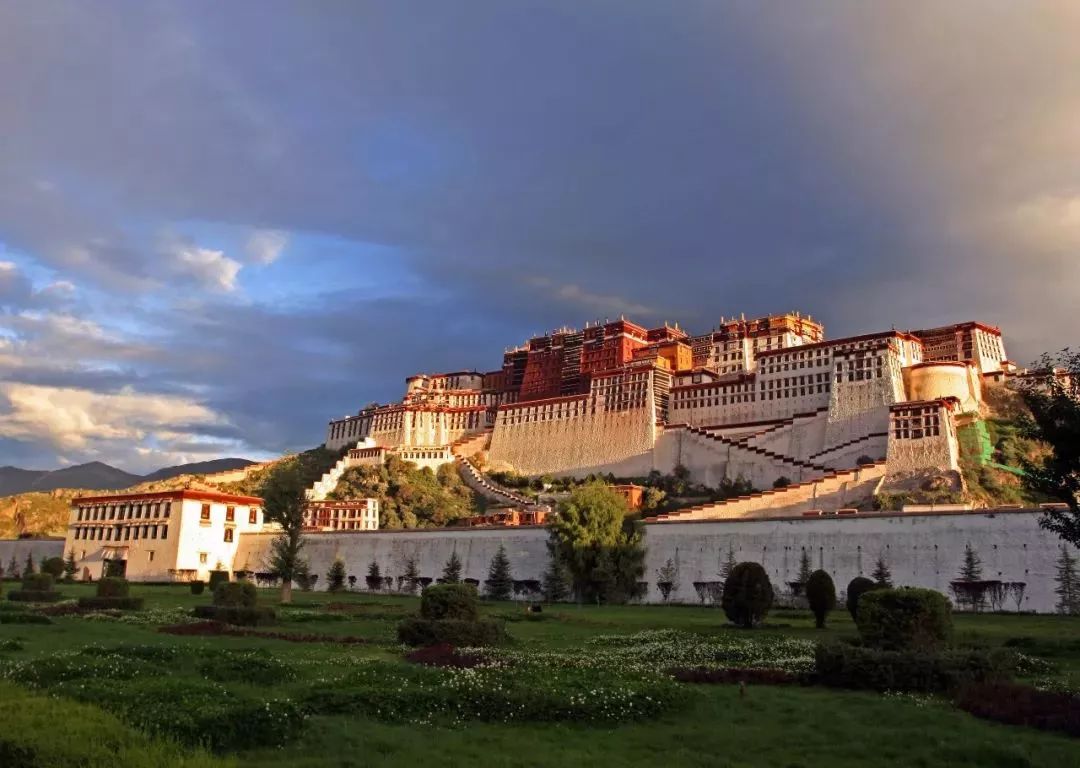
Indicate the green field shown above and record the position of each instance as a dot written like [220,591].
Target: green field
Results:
[570,699]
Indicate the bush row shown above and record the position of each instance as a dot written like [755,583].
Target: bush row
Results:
[239,615]
[844,665]
[113,603]
[34,596]
[1016,704]
[456,632]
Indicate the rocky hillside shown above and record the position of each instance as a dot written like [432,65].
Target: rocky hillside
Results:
[98,476]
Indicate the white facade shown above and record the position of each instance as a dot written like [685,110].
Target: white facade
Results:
[173,535]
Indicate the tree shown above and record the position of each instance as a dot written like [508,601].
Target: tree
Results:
[13,568]
[748,595]
[1068,583]
[70,566]
[53,566]
[555,583]
[856,588]
[412,576]
[805,569]
[335,577]
[1054,402]
[730,563]
[882,576]
[283,504]
[28,569]
[499,584]
[667,579]
[374,579]
[971,570]
[452,571]
[821,595]
[601,550]
[352,582]
[781,482]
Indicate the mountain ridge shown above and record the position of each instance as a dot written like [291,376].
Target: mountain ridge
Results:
[98,476]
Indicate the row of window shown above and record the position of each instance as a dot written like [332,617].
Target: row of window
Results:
[230,514]
[121,533]
[128,511]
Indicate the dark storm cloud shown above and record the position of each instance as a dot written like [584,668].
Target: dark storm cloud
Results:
[528,165]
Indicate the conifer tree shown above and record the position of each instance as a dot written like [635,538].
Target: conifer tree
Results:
[13,568]
[335,577]
[70,567]
[499,584]
[1068,584]
[882,576]
[374,578]
[729,564]
[805,568]
[28,569]
[555,583]
[412,576]
[452,571]
[971,570]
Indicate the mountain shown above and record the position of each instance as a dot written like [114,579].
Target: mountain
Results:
[101,477]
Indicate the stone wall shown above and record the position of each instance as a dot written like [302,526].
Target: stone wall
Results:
[923,550]
[37,548]
[605,441]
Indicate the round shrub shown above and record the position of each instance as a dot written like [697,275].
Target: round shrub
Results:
[111,586]
[748,595]
[54,566]
[38,582]
[898,619]
[856,588]
[449,601]
[821,595]
[236,594]
[197,587]
[216,577]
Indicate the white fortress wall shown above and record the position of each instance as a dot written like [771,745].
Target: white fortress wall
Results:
[36,548]
[921,550]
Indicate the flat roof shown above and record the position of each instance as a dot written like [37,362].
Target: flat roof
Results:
[180,493]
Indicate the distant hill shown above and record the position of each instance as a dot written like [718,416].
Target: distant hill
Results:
[101,477]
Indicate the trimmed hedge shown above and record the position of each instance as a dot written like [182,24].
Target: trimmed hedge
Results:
[113,603]
[234,614]
[111,586]
[897,619]
[1022,705]
[34,596]
[455,632]
[843,665]
[38,582]
[748,595]
[217,577]
[856,588]
[197,587]
[821,595]
[235,594]
[449,601]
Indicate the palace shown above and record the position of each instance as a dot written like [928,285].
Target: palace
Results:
[770,400]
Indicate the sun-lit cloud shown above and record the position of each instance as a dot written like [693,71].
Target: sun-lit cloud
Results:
[265,245]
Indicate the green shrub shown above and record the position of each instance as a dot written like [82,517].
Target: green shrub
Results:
[821,595]
[898,619]
[54,566]
[216,577]
[110,586]
[748,595]
[236,594]
[11,644]
[24,618]
[849,666]
[197,587]
[34,596]
[31,738]
[111,603]
[856,588]
[449,601]
[456,632]
[38,582]
[234,614]
[248,667]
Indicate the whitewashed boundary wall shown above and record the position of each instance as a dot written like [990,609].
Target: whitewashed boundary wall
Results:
[37,548]
[923,550]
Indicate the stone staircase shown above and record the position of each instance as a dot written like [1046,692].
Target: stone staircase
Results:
[836,490]
[463,449]
[328,482]
[779,458]
[824,456]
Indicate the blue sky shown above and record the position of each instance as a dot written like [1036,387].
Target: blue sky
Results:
[223,224]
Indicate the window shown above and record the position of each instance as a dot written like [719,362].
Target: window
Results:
[164,531]
[150,556]
[253,516]
[204,514]
[202,558]
[230,514]
[228,534]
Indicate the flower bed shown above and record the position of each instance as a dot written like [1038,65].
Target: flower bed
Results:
[216,628]
[734,675]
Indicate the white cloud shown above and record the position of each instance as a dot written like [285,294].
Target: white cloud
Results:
[265,245]
[77,420]
[210,268]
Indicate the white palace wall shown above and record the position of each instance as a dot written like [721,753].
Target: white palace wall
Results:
[924,550]
[38,549]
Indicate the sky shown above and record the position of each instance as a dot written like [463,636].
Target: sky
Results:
[222,224]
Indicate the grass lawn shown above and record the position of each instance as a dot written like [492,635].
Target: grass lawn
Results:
[328,704]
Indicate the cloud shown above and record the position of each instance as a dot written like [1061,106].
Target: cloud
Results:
[265,245]
[211,269]
[78,420]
